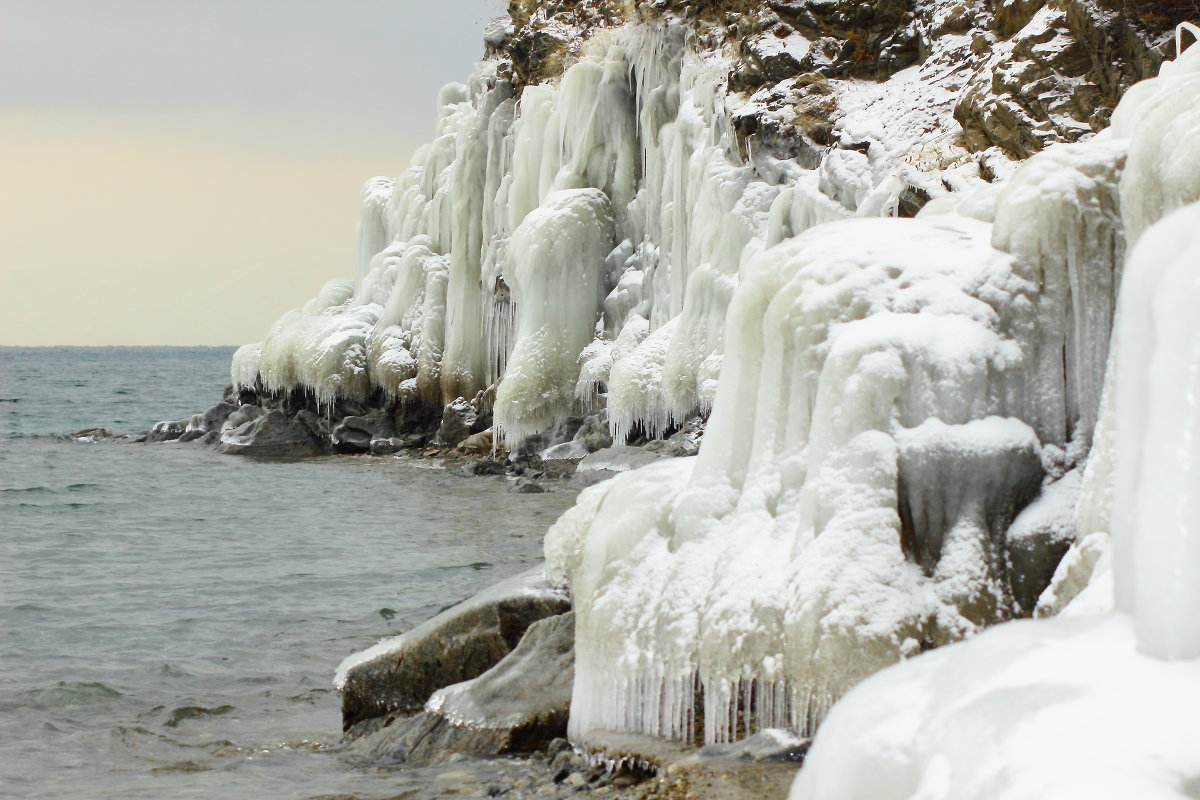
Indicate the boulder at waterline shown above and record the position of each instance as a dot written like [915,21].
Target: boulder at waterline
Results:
[272,435]
[398,675]
[205,422]
[517,706]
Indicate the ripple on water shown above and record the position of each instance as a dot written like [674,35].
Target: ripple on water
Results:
[66,693]
[184,713]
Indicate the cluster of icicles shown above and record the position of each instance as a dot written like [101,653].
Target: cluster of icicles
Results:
[887,396]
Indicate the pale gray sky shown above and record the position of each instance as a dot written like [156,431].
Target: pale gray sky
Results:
[184,171]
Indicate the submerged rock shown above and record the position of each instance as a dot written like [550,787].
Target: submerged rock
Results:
[399,675]
[271,435]
[94,435]
[526,486]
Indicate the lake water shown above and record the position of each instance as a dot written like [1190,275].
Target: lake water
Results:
[170,618]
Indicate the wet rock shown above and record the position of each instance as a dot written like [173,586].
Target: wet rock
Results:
[485,467]
[355,434]
[604,464]
[457,419]
[526,486]
[271,435]
[166,431]
[517,706]
[350,440]
[211,420]
[416,441]
[399,675]
[386,447]
[242,415]
[93,435]
[317,425]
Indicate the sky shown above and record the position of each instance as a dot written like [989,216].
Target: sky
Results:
[181,172]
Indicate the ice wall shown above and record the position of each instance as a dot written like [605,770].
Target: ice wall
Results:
[892,394]
[471,275]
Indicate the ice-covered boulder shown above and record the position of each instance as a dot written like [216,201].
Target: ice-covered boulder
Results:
[399,675]
[611,461]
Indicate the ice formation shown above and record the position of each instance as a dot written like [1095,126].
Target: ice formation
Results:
[1098,705]
[582,240]
[893,394]
[887,396]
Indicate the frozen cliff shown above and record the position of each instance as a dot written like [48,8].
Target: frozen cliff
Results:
[877,247]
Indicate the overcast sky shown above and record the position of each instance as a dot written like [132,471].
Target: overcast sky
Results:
[184,171]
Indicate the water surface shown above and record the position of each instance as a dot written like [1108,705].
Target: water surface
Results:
[170,618]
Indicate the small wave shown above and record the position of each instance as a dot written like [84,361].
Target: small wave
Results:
[10,399]
[184,713]
[183,766]
[79,487]
[29,490]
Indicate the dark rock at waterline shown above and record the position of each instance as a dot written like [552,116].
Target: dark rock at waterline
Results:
[354,434]
[271,435]
[385,447]
[244,413]
[94,435]
[517,706]
[526,486]
[350,440]
[483,468]
[204,423]
[166,431]
[457,645]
